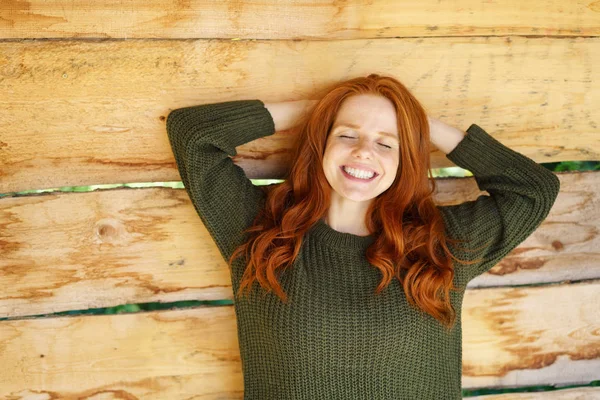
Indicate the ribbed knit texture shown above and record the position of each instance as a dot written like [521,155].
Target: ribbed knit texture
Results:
[336,339]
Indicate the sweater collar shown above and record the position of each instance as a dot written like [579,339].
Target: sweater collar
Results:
[342,240]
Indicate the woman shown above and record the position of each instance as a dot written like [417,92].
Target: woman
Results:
[357,294]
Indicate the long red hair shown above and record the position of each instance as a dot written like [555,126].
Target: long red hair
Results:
[410,244]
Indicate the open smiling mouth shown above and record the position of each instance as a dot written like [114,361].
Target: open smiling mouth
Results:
[354,178]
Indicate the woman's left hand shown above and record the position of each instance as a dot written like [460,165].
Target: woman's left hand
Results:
[445,137]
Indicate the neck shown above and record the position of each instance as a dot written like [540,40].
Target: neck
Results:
[348,216]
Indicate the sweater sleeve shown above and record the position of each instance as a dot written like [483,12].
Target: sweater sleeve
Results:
[521,194]
[203,138]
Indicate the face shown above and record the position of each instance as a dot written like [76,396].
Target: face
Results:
[357,138]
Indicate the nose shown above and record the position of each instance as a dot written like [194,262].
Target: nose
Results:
[362,149]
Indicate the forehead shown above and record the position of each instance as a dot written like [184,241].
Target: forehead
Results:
[368,113]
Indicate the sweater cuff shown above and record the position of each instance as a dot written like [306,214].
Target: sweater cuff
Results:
[249,120]
[242,121]
[481,154]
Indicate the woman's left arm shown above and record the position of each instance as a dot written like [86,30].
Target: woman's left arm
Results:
[521,194]
[444,136]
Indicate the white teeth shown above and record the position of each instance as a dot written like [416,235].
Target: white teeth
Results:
[358,173]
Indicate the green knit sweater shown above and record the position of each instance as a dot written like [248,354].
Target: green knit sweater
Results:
[336,339]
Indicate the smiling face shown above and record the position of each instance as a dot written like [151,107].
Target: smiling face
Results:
[358,138]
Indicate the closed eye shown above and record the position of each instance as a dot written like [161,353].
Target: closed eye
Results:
[350,137]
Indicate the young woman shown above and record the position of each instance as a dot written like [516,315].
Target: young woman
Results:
[355,295]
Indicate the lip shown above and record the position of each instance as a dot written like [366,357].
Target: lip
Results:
[352,178]
[362,167]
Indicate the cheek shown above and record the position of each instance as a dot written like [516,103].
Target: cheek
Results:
[329,161]
[333,153]
[391,166]
[394,159]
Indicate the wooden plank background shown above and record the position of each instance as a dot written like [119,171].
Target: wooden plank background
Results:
[124,246]
[309,20]
[100,117]
[510,338]
[85,90]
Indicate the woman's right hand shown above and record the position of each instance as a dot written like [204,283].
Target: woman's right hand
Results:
[287,114]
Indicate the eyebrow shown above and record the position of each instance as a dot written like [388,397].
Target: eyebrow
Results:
[353,126]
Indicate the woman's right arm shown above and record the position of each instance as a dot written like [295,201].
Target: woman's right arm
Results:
[203,138]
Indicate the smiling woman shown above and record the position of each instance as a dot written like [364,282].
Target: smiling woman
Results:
[357,128]
[357,141]
[353,272]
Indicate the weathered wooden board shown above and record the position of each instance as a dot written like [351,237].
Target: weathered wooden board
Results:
[511,337]
[73,251]
[582,393]
[81,113]
[312,19]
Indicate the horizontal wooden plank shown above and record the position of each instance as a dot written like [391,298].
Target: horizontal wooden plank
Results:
[184,354]
[512,337]
[104,248]
[73,251]
[80,113]
[566,247]
[527,336]
[581,393]
[287,20]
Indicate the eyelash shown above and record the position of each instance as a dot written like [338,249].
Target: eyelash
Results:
[350,137]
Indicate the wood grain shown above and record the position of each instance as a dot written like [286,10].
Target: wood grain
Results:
[73,251]
[526,336]
[581,393]
[511,337]
[80,113]
[314,20]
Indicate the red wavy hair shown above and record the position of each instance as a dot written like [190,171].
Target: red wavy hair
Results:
[410,243]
